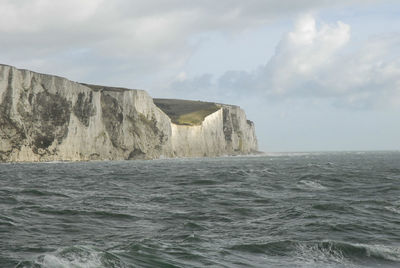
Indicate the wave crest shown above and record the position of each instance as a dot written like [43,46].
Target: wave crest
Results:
[75,257]
[311,185]
[332,252]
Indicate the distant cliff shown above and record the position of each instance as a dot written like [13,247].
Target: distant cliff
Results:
[49,118]
[208,129]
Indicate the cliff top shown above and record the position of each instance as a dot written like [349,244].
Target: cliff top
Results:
[186,112]
[33,72]
[106,88]
[91,86]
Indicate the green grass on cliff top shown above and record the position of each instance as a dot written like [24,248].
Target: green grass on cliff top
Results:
[181,112]
[185,112]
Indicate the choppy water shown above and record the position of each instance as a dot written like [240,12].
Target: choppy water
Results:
[301,210]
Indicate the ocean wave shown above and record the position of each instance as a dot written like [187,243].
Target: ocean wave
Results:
[36,192]
[99,214]
[75,257]
[311,185]
[320,253]
[325,252]
[344,252]
[393,209]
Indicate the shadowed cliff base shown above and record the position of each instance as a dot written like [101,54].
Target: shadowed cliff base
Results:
[186,112]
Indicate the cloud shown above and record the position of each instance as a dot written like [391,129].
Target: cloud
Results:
[368,77]
[317,61]
[125,39]
[303,52]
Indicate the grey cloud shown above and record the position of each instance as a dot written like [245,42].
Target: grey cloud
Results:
[151,35]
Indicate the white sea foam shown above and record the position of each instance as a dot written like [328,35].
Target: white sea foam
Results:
[386,252]
[333,254]
[311,185]
[57,262]
[316,256]
[337,254]
[77,257]
[268,171]
[393,209]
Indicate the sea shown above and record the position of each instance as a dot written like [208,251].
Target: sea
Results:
[339,209]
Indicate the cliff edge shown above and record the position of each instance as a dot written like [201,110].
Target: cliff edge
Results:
[49,118]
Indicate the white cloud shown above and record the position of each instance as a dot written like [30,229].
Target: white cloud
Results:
[304,51]
[316,61]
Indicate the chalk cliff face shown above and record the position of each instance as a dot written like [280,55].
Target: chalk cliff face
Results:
[49,118]
[224,132]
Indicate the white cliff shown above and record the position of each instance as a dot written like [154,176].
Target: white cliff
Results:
[224,132]
[49,118]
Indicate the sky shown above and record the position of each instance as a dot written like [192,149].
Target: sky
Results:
[314,75]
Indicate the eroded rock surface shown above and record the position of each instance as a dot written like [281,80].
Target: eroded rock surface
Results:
[49,118]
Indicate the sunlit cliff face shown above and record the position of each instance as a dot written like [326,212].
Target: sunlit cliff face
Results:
[48,118]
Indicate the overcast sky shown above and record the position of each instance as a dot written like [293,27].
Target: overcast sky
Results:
[312,75]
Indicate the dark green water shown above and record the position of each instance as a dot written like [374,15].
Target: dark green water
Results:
[301,210]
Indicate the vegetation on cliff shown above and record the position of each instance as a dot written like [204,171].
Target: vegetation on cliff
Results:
[186,112]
